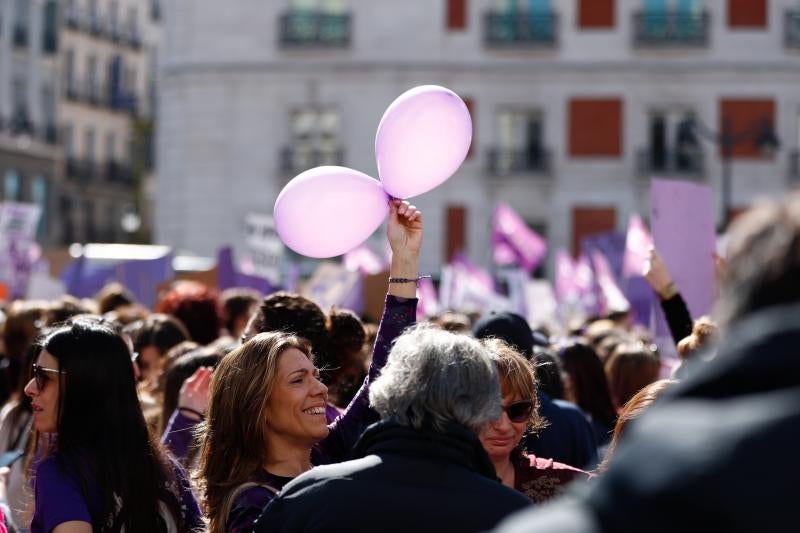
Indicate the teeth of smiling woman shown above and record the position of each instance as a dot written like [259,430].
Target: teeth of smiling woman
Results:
[315,411]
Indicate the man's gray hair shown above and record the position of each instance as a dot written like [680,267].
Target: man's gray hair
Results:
[433,377]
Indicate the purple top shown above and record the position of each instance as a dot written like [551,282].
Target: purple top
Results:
[398,314]
[59,499]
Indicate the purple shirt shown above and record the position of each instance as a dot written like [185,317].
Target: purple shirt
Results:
[59,499]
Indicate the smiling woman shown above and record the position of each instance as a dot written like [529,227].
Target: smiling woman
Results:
[266,422]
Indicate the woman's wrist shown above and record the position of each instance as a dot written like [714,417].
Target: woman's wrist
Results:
[668,291]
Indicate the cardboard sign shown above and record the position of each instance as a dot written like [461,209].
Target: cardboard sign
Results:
[264,248]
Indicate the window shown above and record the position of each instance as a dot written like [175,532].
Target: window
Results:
[747,14]
[747,119]
[596,14]
[673,145]
[67,134]
[39,197]
[456,237]
[595,127]
[50,35]
[69,71]
[456,14]
[587,221]
[91,77]
[519,141]
[314,139]
[111,147]
[88,148]
[21,22]
[12,186]
[113,17]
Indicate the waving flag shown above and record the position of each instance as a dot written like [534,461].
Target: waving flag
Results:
[638,243]
[513,242]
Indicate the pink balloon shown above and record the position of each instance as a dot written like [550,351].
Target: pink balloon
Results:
[422,139]
[327,211]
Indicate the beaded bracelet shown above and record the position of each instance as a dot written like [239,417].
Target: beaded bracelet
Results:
[408,280]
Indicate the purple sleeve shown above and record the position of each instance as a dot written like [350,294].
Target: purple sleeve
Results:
[179,435]
[58,498]
[192,517]
[398,314]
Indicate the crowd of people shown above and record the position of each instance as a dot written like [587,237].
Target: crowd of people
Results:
[241,412]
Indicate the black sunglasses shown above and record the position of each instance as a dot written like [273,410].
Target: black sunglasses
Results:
[519,411]
[40,375]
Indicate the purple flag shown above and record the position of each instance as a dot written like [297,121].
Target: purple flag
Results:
[610,297]
[363,260]
[567,287]
[428,304]
[584,278]
[513,242]
[683,232]
[637,247]
[228,276]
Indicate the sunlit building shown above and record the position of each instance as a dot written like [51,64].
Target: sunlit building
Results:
[576,106]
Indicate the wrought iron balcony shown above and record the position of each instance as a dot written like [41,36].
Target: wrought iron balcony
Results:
[792,29]
[20,36]
[301,29]
[50,134]
[295,159]
[794,166]
[133,38]
[515,161]
[671,29]
[688,163]
[520,29]
[96,26]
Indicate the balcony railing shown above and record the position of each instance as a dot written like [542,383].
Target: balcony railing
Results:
[671,29]
[312,29]
[507,162]
[792,29]
[96,26]
[794,166]
[20,36]
[519,29]
[687,163]
[73,19]
[295,160]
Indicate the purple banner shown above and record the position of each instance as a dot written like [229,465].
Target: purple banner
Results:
[683,232]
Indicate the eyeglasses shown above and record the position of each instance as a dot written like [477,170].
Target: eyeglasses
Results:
[519,411]
[41,377]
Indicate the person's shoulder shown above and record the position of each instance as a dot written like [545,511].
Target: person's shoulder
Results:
[332,473]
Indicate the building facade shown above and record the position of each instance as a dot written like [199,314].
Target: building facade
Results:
[76,100]
[576,105]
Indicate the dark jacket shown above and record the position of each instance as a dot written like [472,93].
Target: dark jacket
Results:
[568,438]
[406,480]
[716,453]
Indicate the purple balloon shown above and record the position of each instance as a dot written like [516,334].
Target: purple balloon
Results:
[327,211]
[422,139]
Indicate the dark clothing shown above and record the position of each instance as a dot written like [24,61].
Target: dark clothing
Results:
[715,453]
[406,480]
[678,318]
[569,438]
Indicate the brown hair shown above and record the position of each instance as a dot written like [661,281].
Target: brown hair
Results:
[516,377]
[629,369]
[635,407]
[234,434]
[704,331]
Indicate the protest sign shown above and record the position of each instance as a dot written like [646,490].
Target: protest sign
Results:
[264,248]
[683,232]
[18,223]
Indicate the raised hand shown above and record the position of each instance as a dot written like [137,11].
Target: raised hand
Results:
[657,275]
[194,394]
[404,230]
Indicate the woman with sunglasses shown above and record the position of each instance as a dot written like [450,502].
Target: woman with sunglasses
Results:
[266,419]
[538,478]
[98,467]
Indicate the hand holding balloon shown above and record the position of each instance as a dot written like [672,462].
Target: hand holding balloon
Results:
[422,139]
[404,232]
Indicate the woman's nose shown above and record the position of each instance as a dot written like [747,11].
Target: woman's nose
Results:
[31,389]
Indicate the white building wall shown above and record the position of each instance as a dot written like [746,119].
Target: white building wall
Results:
[228,87]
